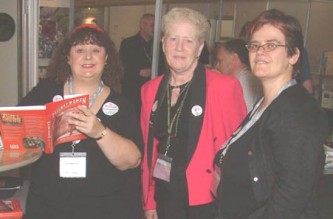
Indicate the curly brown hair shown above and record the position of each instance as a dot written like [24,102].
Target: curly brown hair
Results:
[59,70]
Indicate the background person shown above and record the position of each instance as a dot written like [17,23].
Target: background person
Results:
[136,55]
[204,57]
[107,179]
[243,33]
[232,58]
[305,76]
[187,113]
[272,164]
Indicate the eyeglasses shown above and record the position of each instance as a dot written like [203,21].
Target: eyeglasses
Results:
[267,47]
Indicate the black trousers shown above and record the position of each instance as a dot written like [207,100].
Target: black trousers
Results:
[172,201]
[172,209]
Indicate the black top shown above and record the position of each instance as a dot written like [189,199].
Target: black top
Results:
[285,159]
[179,131]
[305,71]
[105,191]
[135,54]
[179,136]
[237,198]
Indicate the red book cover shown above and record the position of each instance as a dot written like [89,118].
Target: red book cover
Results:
[26,127]
[10,209]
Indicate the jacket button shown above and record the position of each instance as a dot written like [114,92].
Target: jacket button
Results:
[249,153]
[255,179]
[208,171]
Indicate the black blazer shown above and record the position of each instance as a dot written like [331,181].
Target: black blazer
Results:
[286,156]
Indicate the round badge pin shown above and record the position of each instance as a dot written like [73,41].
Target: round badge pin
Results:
[196,110]
[110,108]
[57,98]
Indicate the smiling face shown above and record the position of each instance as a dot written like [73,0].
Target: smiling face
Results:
[87,61]
[182,47]
[276,63]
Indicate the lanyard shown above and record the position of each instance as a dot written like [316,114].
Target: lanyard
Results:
[252,118]
[91,100]
[93,97]
[175,118]
[147,54]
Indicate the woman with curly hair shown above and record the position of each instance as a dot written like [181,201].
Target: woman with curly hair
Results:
[104,181]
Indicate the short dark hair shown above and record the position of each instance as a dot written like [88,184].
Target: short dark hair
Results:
[288,25]
[146,15]
[238,46]
[244,32]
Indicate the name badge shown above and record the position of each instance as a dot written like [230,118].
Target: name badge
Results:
[73,165]
[163,168]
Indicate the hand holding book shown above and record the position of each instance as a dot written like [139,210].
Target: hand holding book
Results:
[45,126]
[87,123]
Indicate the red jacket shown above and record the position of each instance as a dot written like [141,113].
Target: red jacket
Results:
[221,99]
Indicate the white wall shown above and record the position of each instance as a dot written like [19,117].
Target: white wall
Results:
[124,21]
[318,33]
[8,60]
[315,16]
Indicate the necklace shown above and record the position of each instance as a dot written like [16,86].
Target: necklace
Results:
[178,86]
[172,123]
[91,101]
[177,91]
[95,94]
[174,87]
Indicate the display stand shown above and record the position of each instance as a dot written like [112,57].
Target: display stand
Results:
[326,80]
[12,159]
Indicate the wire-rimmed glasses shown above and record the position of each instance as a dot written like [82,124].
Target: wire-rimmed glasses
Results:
[267,47]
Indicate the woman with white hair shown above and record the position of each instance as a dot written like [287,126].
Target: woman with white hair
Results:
[186,115]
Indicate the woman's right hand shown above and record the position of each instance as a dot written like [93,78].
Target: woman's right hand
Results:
[151,214]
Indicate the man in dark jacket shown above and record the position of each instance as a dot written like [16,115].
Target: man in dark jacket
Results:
[136,55]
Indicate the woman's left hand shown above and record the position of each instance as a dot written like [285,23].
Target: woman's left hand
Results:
[86,122]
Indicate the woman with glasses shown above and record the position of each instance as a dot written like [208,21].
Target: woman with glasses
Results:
[187,113]
[271,166]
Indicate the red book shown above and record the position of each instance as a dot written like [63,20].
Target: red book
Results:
[26,127]
[10,209]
